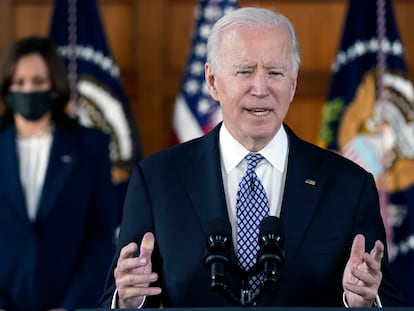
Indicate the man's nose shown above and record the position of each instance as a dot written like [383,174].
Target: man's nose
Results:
[260,87]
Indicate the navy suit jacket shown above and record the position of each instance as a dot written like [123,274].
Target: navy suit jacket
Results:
[60,259]
[176,192]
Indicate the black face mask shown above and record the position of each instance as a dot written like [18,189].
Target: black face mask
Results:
[32,105]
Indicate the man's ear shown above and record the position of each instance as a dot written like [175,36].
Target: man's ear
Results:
[210,80]
[293,88]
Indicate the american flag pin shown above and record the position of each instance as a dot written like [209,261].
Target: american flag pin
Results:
[66,158]
[310,182]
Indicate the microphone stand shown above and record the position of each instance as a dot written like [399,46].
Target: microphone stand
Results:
[246,298]
[245,293]
[270,259]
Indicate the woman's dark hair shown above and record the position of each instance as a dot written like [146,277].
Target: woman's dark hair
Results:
[57,73]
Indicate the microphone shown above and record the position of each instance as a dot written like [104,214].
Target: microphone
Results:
[217,257]
[271,256]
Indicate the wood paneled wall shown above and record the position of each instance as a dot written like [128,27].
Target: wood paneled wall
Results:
[150,39]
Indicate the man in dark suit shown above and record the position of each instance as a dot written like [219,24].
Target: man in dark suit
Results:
[329,205]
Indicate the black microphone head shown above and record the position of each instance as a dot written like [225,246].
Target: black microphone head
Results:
[219,226]
[217,255]
[270,257]
[218,238]
[272,225]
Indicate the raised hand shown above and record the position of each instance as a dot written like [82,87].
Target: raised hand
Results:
[133,275]
[362,276]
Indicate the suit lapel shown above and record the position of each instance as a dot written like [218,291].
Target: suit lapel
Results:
[9,170]
[62,162]
[207,191]
[304,178]
[203,180]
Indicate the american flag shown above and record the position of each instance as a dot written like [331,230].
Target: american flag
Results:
[369,118]
[195,111]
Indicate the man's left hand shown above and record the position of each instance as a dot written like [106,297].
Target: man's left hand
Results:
[362,275]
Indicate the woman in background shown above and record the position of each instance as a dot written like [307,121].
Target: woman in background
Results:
[57,201]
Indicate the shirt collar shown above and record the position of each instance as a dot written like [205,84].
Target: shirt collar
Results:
[232,152]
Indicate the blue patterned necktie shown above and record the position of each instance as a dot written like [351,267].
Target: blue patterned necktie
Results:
[252,206]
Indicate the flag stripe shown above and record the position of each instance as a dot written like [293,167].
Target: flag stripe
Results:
[195,111]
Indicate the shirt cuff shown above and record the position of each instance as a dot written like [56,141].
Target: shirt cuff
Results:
[114,303]
[377,303]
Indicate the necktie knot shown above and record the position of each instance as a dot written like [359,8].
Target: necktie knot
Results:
[252,160]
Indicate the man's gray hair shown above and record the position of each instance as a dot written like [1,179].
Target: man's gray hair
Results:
[249,16]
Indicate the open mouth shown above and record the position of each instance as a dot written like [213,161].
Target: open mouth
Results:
[259,112]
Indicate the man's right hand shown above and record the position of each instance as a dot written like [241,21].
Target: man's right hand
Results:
[133,275]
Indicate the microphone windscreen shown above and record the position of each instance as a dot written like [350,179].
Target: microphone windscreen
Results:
[219,226]
[271,225]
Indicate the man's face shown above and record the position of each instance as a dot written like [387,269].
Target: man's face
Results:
[254,83]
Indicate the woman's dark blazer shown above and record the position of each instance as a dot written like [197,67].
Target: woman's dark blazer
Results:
[60,259]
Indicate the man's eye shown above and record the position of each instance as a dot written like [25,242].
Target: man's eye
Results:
[243,72]
[276,73]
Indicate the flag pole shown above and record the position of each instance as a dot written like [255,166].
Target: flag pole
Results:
[382,97]
[72,44]
[381,58]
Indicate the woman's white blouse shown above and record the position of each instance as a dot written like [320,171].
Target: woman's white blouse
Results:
[33,155]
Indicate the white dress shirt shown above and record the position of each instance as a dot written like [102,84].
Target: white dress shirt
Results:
[271,171]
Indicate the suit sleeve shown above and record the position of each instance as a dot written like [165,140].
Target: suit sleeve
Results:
[369,222]
[137,220]
[98,248]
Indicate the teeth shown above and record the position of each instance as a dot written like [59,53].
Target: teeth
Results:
[259,112]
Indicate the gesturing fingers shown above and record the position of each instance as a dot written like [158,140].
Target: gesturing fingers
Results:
[373,263]
[133,275]
[357,250]
[377,253]
[126,262]
[369,270]
[128,251]
[362,275]
[147,244]
[141,266]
